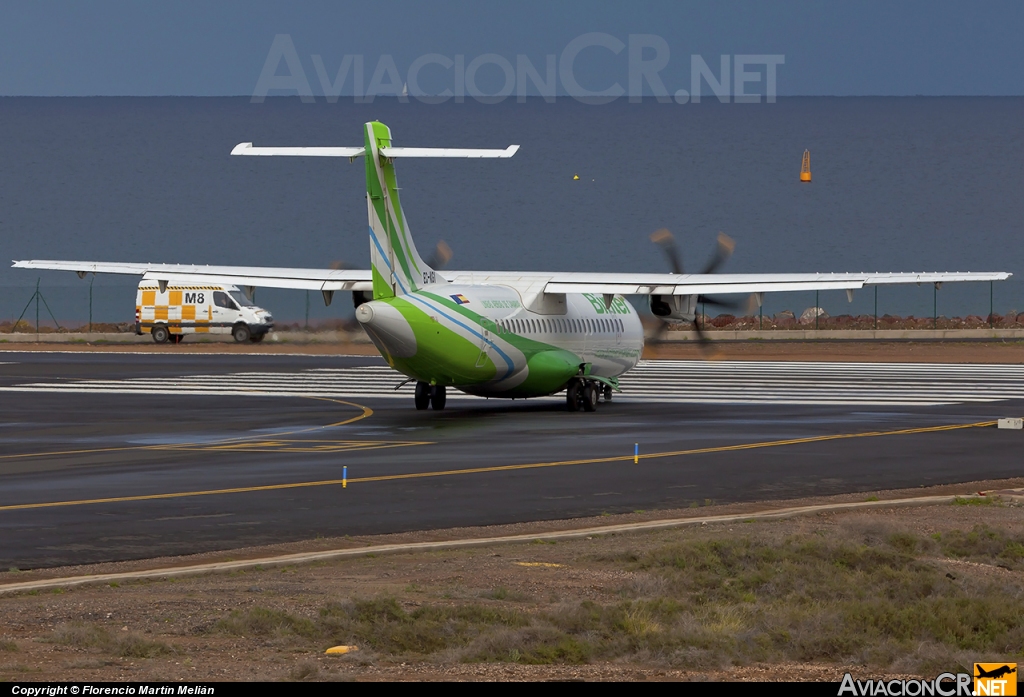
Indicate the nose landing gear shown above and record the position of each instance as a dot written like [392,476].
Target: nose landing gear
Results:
[430,395]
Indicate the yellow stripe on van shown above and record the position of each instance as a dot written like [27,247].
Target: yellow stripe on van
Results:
[147,289]
[160,312]
[149,297]
[188,312]
[174,297]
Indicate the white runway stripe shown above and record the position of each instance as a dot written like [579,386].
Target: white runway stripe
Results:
[695,382]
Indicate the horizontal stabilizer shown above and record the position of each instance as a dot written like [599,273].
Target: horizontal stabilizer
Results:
[449,152]
[248,149]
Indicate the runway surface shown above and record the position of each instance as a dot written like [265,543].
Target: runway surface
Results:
[106,457]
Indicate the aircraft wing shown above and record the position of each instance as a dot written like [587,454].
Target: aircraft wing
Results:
[255,276]
[703,284]
[534,282]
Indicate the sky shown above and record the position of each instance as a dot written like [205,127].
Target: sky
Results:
[130,48]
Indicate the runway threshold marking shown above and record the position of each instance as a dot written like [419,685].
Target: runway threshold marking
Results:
[497,468]
[223,443]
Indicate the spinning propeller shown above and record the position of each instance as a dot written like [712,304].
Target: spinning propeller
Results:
[724,249]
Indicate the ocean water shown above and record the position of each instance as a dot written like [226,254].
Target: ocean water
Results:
[900,184]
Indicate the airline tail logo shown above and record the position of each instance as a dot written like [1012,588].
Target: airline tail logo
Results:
[460,298]
[995,678]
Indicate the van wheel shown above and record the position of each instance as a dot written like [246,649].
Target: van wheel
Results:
[160,334]
[241,333]
[257,338]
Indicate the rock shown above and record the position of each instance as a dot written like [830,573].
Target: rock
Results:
[808,315]
[784,315]
[722,320]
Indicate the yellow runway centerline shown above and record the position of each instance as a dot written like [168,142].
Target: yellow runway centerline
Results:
[500,468]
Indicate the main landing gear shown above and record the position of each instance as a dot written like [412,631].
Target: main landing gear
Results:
[585,394]
[430,395]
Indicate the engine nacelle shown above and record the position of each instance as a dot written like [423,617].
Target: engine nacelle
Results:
[678,307]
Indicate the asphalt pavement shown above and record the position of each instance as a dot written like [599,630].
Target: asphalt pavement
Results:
[124,456]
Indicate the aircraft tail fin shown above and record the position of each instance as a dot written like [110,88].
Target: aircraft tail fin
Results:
[397,266]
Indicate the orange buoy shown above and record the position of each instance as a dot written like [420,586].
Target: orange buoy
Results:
[805,167]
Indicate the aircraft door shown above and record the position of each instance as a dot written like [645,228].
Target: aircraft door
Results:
[488,330]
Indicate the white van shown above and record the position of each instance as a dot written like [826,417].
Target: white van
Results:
[198,309]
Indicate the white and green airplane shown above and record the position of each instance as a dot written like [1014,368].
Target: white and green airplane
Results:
[494,334]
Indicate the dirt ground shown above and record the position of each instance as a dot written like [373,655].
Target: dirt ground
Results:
[201,628]
[1002,351]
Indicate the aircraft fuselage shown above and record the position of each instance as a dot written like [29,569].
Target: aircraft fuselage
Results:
[481,339]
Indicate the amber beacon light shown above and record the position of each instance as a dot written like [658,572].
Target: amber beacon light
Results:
[805,167]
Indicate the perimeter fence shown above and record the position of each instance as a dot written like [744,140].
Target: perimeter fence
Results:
[97,304]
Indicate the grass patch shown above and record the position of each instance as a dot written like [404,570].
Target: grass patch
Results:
[873,595]
[305,671]
[503,593]
[983,544]
[975,500]
[259,622]
[90,636]
[8,646]
[380,623]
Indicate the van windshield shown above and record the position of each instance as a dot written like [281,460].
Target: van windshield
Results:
[241,299]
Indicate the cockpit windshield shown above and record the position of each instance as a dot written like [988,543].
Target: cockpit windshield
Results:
[240,298]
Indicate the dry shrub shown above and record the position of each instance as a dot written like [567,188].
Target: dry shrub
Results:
[129,645]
